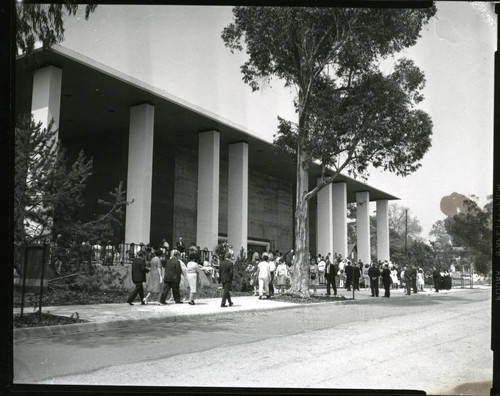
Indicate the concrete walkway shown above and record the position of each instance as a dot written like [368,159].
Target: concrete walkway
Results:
[110,316]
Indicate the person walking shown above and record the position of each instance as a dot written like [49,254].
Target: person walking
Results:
[153,282]
[226,278]
[264,276]
[192,270]
[172,277]
[374,274]
[330,275]
[138,276]
[386,280]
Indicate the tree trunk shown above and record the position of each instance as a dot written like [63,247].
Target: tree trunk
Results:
[300,276]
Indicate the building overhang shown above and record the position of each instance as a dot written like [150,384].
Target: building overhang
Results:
[96,99]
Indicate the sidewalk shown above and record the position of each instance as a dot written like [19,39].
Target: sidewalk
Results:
[111,316]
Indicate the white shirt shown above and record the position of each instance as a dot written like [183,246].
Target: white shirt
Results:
[321,266]
[264,270]
[282,269]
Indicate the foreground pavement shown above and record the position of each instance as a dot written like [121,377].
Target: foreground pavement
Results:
[101,317]
[429,341]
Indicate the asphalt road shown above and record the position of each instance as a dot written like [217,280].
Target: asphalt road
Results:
[428,342]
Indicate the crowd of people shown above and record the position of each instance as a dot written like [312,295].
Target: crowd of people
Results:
[272,271]
[159,271]
[183,270]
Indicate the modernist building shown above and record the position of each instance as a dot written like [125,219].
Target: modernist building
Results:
[189,172]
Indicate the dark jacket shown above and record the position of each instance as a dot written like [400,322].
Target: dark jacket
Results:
[373,272]
[331,269]
[139,270]
[356,272]
[172,270]
[349,270]
[226,271]
[386,275]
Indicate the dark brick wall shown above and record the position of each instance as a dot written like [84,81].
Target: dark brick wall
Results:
[185,195]
[162,208]
[269,207]
[270,210]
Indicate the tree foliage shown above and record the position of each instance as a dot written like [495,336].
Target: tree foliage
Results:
[349,114]
[472,229]
[43,23]
[43,184]
[48,191]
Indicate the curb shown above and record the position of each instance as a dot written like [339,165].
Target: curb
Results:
[47,331]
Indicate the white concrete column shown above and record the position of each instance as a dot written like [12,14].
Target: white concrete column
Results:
[339,192]
[207,222]
[237,197]
[324,220]
[363,226]
[140,173]
[383,230]
[46,96]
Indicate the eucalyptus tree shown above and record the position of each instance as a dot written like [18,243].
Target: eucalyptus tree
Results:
[349,114]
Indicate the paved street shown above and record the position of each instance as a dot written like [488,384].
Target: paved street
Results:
[432,342]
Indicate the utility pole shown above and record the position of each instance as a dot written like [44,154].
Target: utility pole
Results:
[406,232]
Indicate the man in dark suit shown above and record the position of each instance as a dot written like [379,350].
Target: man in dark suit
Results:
[356,274]
[330,274]
[436,277]
[226,278]
[374,274]
[172,278]
[349,272]
[413,273]
[138,276]
[386,280]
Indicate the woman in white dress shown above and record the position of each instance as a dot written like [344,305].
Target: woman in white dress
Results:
[192,270]
[420,279]
[394,277]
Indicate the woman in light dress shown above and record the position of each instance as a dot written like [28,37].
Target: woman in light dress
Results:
[154,277]
[420,279]
[394,277]
[281,275]
[314,281]
[192,270]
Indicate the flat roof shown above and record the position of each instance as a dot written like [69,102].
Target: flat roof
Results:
[96,98]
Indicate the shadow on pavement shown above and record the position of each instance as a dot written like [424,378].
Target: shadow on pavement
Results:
[471,388]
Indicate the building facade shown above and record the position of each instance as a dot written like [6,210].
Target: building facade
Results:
[189,172]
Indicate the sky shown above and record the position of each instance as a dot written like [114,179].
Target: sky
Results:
[179,49]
